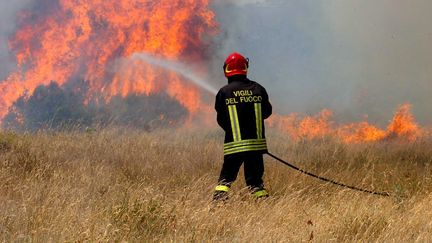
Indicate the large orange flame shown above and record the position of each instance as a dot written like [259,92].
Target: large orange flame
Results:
[82,39]
[402,126]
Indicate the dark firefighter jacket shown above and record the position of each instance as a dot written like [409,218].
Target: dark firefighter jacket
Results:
[242,105]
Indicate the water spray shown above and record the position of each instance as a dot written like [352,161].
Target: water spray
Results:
[177,67]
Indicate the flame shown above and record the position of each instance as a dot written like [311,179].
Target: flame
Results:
[402,126]
[360,132]
[84,39]
[309,127]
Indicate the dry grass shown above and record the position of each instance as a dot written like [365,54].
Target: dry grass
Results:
[118,185]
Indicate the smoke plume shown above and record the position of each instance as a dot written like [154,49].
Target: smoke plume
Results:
[355,57]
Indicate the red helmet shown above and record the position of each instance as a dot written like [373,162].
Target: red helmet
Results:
[236,64]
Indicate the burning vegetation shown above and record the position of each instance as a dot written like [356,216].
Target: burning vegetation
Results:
[67,41]
[84,40]
[52,108]
[403,126]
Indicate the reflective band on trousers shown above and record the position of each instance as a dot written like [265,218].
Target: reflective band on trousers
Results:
[222,188]
[259,121]
[245,149]
[245,145]
[235,125]
[260,193]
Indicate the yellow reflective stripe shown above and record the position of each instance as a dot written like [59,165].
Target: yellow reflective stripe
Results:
[260,193]
[246,146]
[245,142]
[244,149]
[253,147]
[230,111]
[235,126]
[237,123]
[258,117]
[222,188]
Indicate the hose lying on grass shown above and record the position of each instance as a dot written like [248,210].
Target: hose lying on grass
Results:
[384,194]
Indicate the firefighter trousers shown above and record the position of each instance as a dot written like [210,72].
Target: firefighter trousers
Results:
[253,169]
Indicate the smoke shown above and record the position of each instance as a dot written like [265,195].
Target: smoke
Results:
[355,57]
[8,15]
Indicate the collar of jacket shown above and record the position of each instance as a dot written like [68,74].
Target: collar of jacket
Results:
[237,78]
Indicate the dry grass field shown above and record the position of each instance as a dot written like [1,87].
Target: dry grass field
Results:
[123,185]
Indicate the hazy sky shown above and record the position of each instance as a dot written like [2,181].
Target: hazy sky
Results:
[356,57]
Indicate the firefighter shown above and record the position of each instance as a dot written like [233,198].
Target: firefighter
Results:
[241,106]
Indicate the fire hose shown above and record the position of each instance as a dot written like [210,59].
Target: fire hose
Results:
[384,194]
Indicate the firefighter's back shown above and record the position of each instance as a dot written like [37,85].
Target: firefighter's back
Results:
[243,105]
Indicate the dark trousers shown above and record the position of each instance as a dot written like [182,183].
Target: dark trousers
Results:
[253,169]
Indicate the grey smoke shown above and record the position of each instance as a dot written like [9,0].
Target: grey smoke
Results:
[8,18]
[355,57]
